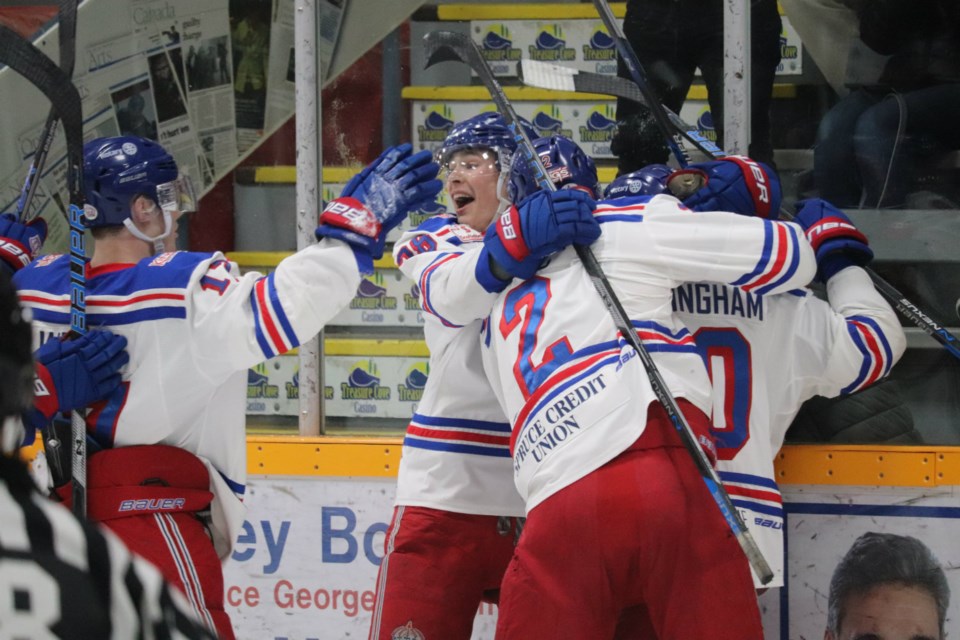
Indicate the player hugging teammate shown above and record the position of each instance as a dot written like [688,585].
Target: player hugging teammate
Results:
[622,539]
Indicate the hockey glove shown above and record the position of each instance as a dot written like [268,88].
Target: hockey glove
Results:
[543,223]
[20,243]
[734,183]
[75,373]
[838,244]
[378,198]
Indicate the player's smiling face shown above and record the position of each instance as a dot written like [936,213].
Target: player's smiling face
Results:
[471,179]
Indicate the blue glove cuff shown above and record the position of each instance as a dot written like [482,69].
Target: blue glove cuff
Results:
[522,269]
[372,246]
[485,276]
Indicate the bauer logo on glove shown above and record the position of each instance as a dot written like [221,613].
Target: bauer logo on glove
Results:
[506,226]
[830,227]
[353,215]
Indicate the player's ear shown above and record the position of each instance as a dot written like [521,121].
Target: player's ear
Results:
[142,209]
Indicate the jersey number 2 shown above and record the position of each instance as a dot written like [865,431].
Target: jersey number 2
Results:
[727,356]
[527,304]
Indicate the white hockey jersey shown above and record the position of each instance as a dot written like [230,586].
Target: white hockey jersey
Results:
[456,452]
[766,356]
[575,393]
[194,326]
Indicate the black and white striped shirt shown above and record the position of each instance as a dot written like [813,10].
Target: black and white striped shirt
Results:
[64,578]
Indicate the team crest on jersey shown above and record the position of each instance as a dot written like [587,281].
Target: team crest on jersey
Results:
[162,259]
[465,233]
[47,260]
[411,389]
[407,632]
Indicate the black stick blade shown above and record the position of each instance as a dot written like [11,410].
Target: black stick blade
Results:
[446,46]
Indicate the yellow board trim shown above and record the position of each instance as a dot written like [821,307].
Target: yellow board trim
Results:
[533,11]
[256,259]
[869,465]
[535,94]
[296,456]
[287,174]
[859,465]
[848,465]
[375,347]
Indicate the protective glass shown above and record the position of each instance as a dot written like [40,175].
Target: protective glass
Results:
[177,195]
[473,162]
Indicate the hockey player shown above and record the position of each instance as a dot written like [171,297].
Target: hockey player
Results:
[595,456]
[455,521]
[62,577]
[172,436]
[767,355]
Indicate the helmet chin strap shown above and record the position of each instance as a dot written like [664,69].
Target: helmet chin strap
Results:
[156,241]
[503,201]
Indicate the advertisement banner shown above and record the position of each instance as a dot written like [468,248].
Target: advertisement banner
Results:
[306,563]
[357,386]
[305,566]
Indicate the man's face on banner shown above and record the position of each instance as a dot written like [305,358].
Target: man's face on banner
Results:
[889,612]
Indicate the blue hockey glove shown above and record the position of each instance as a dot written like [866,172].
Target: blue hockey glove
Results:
[20,243]
[378,198]
[544,223]
[75,373]
[734,183]
[837,242]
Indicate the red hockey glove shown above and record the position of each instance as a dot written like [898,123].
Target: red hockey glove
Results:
[20,243]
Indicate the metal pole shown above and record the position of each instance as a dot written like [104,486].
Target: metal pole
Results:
[309,186]
[392,104]
[736,76]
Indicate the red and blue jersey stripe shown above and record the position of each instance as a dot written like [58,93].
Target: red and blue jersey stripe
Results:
[756,493]
[626,210]
[779,258]
[875,349]
[272,328]
[458,435]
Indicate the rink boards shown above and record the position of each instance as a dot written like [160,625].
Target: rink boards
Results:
[319,508]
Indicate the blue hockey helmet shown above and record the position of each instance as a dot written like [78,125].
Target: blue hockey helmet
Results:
[566,163]
[117,170]
[484,131]
[648,181]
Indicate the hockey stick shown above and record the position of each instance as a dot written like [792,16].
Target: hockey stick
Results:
[552,76]
[441,46]
[547,75]
[32,64]
[67,40]
[629,57]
